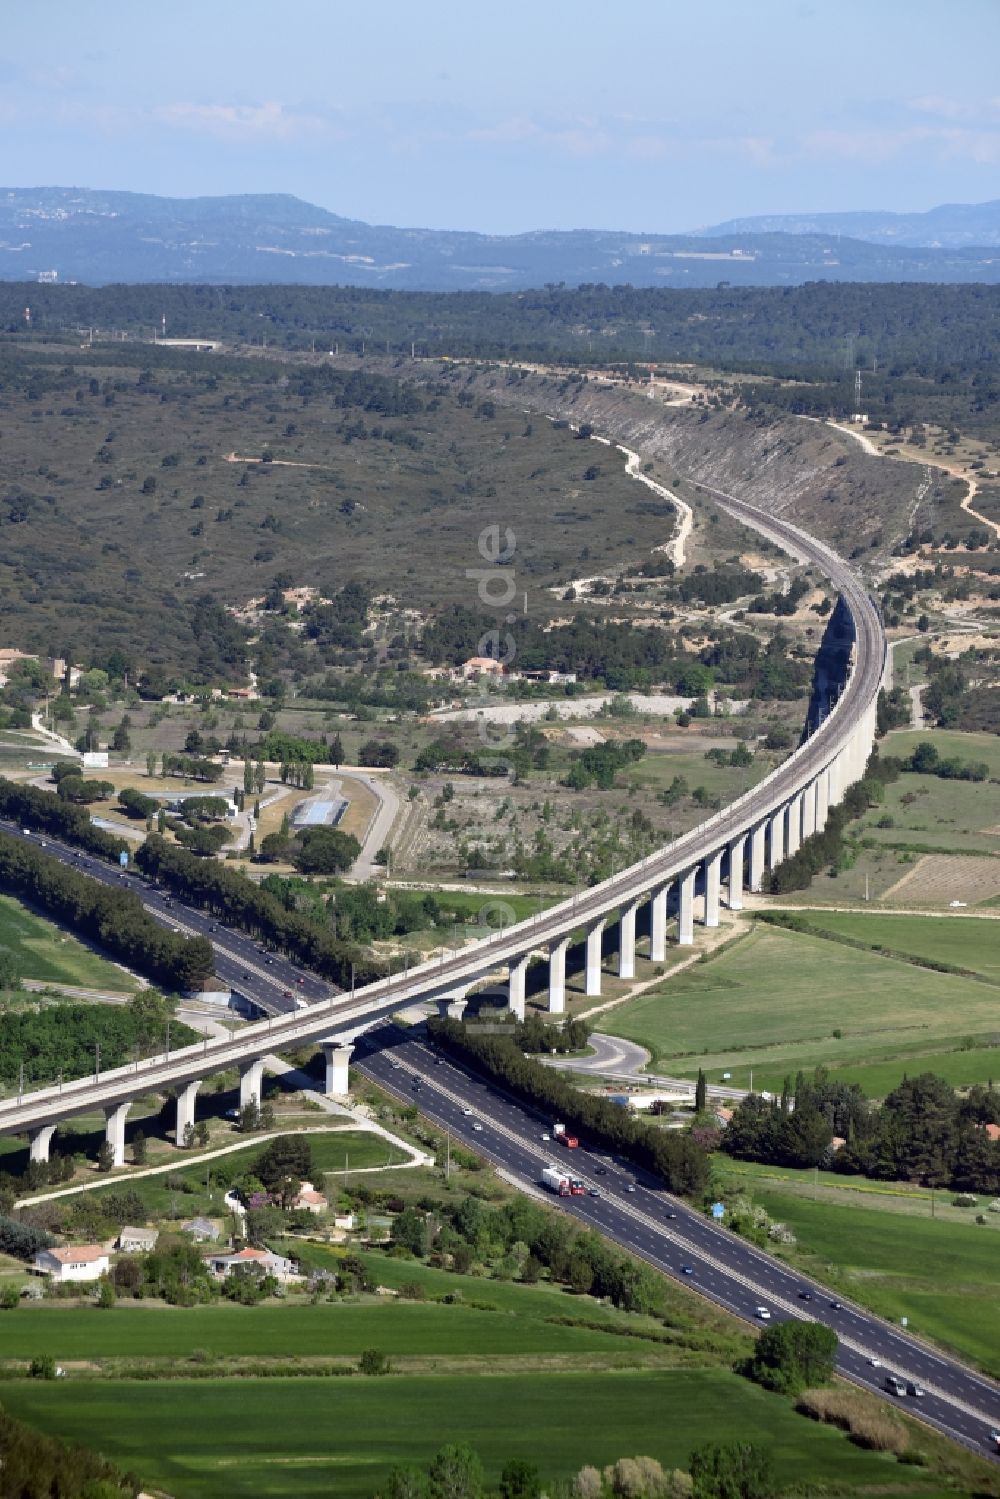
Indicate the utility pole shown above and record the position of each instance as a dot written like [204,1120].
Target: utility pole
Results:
[97,1061]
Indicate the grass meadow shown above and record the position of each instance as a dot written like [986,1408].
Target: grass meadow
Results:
[778,1001]
[270,1438]
[42,951]
[881,1245]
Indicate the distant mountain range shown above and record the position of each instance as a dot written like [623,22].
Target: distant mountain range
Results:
[77,234]
[953,226]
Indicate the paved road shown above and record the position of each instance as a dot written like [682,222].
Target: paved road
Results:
[632,1209]
[611,1054]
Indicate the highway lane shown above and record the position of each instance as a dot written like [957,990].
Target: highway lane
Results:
[638,1214]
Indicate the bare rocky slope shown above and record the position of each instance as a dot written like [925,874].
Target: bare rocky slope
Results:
[795,468]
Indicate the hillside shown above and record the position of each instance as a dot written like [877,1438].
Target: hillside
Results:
[103,237]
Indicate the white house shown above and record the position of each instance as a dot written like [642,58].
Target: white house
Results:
[261,1259]
[310,1200]
[75,1262]
[137,1240]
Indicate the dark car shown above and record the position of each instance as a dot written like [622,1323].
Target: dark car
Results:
[805,1295]
[687,1269]
[836,1306]
[671,1215]
[600,1170]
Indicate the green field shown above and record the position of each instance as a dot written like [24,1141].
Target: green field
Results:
[772,1002]
[43,951]
[963,941]
[941,1272]
[299,1437]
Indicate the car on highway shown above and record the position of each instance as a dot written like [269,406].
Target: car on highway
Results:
[805,1295]
[395,1065]
[875,1363]
[836,1306]
[914,1389]
[546,1137]
[286,993]
[687,1269]
[594,1192]
[477,1125]
[671,1215]
[762,1313]
[895,1385]
[467,1113]
[600,1170]
[630,1186]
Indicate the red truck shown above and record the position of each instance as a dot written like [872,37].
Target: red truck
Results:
[570,1141]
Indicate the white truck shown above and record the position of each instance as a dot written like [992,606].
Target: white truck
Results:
[557,1181]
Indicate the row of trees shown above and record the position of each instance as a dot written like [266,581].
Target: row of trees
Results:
[923,1132]
[824,849]
[35,1464]
[238,902]
[113,917]
[675,1158]
[45,812]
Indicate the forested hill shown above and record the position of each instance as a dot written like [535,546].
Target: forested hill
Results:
[812,330]
[101,237]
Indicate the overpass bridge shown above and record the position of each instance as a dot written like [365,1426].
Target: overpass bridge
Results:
[731,849]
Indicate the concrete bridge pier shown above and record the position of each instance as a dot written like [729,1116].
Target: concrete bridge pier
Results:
[452,1006]
[592,972]
[251,1082]
[658,924]
[39,1141]
[794,836]
[822,798]
[517,985]
[338,1056]
[713,878]
[115,1115]
[685,909]
[737,853]
[758,851]
[557,976]
[776,839]
[186,1096]
[626,940]
[809,811]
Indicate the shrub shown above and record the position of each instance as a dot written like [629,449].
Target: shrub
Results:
[869,1424]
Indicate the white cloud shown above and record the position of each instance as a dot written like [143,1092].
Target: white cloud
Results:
[239,121]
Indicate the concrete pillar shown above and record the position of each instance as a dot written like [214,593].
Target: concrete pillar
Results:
[776,839]
[626,940]
[758,850]
[822,798]
[713,874]
[452,1006]
[186,1096]
[809,811]
[557,976]
[794,834]
[252,1082]
[737,850]
[658,924]
[595,941]
[338,1056]
[115,1115]
[39,1140]
[517,985]
[685,910]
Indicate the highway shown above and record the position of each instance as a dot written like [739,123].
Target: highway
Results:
[668,1234]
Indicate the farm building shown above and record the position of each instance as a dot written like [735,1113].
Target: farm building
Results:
[75,1262]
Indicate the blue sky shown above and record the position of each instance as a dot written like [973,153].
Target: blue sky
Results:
[656,115]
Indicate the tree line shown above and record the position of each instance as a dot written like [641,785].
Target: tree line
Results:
[45,812]
[59,1040]
[679,1162]
[238,902]
[112,917]
[923,1131]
